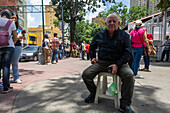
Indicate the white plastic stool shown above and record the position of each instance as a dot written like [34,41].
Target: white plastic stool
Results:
[117,81]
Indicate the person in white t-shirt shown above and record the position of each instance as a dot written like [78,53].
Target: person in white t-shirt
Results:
[7,51]
[47,50]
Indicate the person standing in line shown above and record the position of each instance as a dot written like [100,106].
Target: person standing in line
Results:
[87,50]
[114,52]
[138,41]
[55,48]
[147,57]
[47,50]
[166,49]
[7,50]
[18,49]
[83,45]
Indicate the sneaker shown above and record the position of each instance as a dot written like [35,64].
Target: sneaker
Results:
[90,99]
[127,109]
[7,90]
[18,81]
[139,76]
[144,69]
[52,62]
[48,63]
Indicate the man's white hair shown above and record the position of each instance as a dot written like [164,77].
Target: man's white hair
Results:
[114,15]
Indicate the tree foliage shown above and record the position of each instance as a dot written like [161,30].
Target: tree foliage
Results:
[85,31]
[162,5]
[137,12]
[75,10]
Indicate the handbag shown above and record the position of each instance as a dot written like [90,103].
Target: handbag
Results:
[4,35]
[153,51]
[151,46]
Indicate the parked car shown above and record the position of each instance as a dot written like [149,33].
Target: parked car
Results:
[30,53]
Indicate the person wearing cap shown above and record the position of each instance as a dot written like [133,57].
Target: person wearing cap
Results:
[138,43]
[7,51]
[114,52]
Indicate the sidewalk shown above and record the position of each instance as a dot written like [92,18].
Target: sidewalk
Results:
[59,88]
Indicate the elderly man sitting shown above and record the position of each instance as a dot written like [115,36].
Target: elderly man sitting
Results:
[114,51]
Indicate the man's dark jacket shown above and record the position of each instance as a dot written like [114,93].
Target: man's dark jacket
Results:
[117,48]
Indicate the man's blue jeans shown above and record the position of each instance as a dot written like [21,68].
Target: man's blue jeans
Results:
[165,52]
[5,61]
[54,53]
[61,54]
[146,59]
[15,60]
[137,54]
[82,54]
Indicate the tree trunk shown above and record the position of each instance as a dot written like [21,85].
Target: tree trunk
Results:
[72,32]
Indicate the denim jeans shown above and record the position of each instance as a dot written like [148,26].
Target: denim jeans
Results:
[5,61]
[165,52]
[61,54]
[54,54]
[137,54]
[15,60]
[146,59]
[124,72]
[82,54]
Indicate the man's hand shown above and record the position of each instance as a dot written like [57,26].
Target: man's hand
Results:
[94,60]
[114,69]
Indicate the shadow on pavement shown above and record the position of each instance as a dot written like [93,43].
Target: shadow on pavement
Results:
[145,101]
[30,72]
[161,64]
[66,95]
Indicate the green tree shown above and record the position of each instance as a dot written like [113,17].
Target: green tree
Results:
[137,12]
[56,22]
[75,10]
[86,31]
[162,5]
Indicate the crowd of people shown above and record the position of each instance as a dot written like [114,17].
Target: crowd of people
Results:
[116,49]
[54,50]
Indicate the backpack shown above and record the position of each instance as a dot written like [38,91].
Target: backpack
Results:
[43,44]
[60,47]
[4,35]
[74,46]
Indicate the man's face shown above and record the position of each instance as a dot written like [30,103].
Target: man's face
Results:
[112,23]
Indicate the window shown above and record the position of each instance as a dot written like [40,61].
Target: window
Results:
[32,38]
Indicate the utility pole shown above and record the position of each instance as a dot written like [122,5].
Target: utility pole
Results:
[43,18]
[62,25]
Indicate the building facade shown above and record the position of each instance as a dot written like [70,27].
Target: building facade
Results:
[11,7]
[49,19]
[146,3]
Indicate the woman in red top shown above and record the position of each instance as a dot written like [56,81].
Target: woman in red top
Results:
[147,57]
[87,51]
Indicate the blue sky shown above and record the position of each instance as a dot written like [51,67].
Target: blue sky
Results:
[36,19]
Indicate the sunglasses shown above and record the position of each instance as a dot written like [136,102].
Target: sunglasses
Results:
[14,18]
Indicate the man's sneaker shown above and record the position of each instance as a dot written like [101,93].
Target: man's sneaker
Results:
[18,81]
[6,90]
[145,69]
[127,109]
[90,99]
[48,63]
[139,76]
